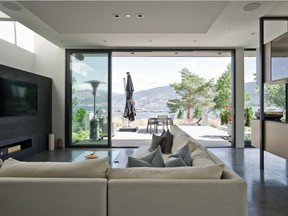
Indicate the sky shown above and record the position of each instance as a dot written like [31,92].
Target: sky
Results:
[151,72]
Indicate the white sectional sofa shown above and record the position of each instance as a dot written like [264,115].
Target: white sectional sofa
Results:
[73,191]
[141,192]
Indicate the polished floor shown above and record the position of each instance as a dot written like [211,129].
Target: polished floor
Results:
[267,189]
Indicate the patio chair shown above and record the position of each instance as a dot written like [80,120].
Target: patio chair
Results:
[154,122]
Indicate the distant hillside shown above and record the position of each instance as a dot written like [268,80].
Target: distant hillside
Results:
[155,98]
[251,88]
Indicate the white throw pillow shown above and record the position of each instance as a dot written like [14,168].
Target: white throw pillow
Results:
[1,162]
[209,172]
[93,168]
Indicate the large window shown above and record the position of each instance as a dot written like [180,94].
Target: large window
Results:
[88,81]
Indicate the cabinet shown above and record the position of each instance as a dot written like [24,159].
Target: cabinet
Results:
[275,137]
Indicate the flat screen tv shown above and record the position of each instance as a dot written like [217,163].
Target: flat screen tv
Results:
[18,98]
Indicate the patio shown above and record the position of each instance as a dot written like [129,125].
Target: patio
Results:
[205,135]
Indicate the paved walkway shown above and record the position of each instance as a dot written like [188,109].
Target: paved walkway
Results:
[208,136]
[205,135]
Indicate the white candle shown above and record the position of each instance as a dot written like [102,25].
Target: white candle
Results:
[51,142]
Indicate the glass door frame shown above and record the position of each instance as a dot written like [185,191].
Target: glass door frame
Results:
[68,91]
[68,98]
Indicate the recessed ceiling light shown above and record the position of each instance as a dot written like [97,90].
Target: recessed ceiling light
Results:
[128,15]
[251,6]
[140,15]
[116,15]
[11,6]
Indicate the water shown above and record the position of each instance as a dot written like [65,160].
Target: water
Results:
[148,112]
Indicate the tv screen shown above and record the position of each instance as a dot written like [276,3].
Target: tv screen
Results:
[18,98]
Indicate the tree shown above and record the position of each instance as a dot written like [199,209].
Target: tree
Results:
[275,95]
[192,90]
[197,112]
[223,89]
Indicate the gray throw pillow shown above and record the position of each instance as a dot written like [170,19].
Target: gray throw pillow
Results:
[154,159]
[175,162]
[156,141]
[184,153]
[167,142]
[134,162]
[163,132]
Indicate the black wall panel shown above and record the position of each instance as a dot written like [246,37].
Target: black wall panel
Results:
[14,129]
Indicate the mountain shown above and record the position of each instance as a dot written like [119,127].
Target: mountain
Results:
[155,97]
[251,88]
[151,98]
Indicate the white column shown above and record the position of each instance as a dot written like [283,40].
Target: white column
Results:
[239,99]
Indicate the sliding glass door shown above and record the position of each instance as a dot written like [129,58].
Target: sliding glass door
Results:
[87,98]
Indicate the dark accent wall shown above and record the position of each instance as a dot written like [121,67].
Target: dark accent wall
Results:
[30,131]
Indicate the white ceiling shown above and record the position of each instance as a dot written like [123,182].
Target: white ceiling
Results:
[166,24]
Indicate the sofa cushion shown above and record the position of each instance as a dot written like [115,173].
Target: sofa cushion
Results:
[200,157]
[156,141]
[175,162]
[155,159]
[209,172]
[183,153]
[1,162]
[93,168]
[167,142]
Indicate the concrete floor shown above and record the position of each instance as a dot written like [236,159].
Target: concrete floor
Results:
[268,188]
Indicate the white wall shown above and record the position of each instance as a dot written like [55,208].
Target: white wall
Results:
[239,86]
[49,61]
[16,57]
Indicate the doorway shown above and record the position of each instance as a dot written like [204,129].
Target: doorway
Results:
[154,73]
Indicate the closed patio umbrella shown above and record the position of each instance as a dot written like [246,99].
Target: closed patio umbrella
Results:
[129,111]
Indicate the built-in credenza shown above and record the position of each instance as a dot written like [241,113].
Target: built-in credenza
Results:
[275,137]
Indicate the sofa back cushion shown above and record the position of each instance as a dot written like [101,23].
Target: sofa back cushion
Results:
[180,138]
[200,157]
[209,172]
[93,168]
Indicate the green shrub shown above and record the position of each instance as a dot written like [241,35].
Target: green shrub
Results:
[248,116]
[79,136]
